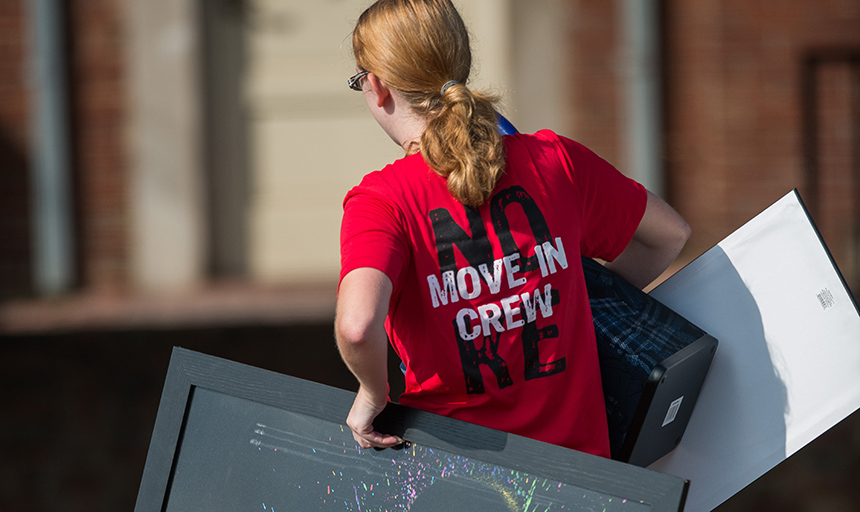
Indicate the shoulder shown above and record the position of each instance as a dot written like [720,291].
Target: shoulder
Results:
[391,193]
[546,143]
[539,138]
[391,178]
[547,150]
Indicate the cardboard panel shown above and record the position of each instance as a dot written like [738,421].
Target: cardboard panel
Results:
[786,368]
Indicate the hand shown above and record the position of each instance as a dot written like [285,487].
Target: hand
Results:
[360,421]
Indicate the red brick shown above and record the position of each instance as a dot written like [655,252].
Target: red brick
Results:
[99,119]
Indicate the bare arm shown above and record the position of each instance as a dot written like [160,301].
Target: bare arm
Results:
[362,305]
[659,238]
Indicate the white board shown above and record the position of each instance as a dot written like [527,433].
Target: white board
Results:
[788,364]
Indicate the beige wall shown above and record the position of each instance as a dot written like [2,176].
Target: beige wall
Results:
[312,139]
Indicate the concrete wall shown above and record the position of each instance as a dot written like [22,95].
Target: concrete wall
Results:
[167,229]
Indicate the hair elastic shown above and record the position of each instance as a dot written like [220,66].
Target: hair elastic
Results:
[448,84]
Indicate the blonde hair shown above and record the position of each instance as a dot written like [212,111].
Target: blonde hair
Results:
[417,47]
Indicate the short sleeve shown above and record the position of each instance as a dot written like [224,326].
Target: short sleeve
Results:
[612,204]
[371,234]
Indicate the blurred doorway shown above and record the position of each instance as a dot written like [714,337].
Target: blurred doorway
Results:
[831,137]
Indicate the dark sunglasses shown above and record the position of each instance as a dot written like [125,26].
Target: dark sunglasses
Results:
[355,80]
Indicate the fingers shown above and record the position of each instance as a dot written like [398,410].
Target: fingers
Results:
[376,440]
[367,437]
[360,421]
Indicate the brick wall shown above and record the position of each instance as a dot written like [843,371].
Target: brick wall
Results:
[833,153]
[595,77]
[734,118]
[97,110]
[732,106]
[14,148]
[98,97]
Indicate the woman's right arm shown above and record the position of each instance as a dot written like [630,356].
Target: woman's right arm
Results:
[362,305]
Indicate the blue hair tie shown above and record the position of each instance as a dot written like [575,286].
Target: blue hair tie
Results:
[447,85]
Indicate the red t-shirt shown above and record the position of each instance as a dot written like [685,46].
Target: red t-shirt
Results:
[489,311]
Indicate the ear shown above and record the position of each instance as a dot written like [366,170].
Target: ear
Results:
[379,88]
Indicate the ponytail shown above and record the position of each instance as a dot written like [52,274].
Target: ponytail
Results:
[463,145]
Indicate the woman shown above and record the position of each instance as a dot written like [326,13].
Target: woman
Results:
[466,252]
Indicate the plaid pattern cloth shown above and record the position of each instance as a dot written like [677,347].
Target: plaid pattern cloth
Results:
[634,333]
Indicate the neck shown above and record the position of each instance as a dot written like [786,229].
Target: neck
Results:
[412,146]
[410,128]
[394,115]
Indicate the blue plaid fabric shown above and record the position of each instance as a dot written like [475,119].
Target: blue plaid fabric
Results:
[634,333]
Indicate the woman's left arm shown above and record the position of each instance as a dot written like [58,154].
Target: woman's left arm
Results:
[656,243]
[362,305]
